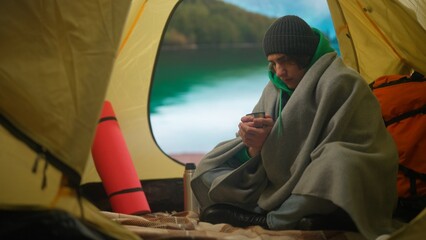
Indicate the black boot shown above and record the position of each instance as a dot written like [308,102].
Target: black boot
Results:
[237,217]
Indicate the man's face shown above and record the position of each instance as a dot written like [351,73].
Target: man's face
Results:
[288,71]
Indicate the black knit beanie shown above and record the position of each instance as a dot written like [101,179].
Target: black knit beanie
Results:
[290,35]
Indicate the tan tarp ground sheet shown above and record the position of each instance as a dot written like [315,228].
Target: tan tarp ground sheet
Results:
[185,225]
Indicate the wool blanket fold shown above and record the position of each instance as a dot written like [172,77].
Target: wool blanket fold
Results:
[329,141]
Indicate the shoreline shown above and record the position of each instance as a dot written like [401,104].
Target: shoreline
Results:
[187,157]
[209,46]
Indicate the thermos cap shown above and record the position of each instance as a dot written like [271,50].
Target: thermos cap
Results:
[190,166]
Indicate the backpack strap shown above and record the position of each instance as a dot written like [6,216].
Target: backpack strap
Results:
[415,77]
[405,115]
[413,176]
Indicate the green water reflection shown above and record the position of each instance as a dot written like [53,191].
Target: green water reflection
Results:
[177,71]
[198,96]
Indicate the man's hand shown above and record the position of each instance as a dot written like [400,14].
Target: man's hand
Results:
[254,131]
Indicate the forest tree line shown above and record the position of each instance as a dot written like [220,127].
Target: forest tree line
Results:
[214,23]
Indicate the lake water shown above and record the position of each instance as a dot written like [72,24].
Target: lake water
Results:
[199,96]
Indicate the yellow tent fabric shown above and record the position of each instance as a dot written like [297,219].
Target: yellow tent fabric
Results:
[415,230]
[381,37]
[56,65]
[129,90]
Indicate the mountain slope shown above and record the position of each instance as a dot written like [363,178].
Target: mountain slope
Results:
[207,22]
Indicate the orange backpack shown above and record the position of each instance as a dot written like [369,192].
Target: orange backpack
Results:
[403,103]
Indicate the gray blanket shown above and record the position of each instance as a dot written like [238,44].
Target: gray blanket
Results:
[332,144]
